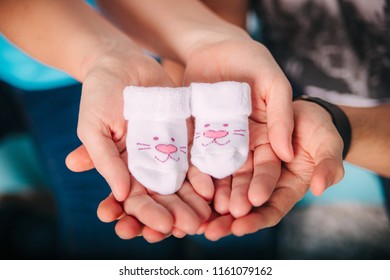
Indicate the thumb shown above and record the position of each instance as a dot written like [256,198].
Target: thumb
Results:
[79,160]
[280,120]
[328,172]
[107,161]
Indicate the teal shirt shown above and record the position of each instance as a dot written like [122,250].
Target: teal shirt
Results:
[21,71]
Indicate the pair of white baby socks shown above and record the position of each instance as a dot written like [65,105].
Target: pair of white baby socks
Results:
[157,143]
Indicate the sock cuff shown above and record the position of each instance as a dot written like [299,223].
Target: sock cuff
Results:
[156,103]
[220,100]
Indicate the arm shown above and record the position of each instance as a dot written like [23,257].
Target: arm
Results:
[74,38]
[215,50]
[233,11]
[190,33]
[62,34]
[169,28]
[370,147]
[317,163]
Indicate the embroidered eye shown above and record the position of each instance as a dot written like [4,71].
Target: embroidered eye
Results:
[173,139]
[206,125]
[155,138]
[225,125]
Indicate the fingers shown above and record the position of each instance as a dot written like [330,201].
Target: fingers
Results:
[108,162]
[288,192]
[239,203]
[150,213]
[329,168]
[79,160]
[128,227]
[327,173]
[280,119]
[153,236]
[109,210]
[222,195]
[161,214]
[201,182]
[185,219]
[267,168]
[193,200]
[218,228]
[178,233]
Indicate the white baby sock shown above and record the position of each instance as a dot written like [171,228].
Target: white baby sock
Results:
[157,136]
[221,141]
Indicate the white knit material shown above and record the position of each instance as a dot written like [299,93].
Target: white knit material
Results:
[221,138]
[157,143]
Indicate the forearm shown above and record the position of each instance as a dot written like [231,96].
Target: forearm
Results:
[370,147]
[64,34]
[170,28]
[233,11]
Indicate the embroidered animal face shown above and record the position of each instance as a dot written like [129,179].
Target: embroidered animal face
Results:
[217,134]
[163,150]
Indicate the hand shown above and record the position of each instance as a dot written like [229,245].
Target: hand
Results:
[102,127]
[158,216]
[145,213]
[317,163]
[238,58]
[252,185]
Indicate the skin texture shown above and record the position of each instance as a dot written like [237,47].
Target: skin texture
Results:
[105,60]
[206,37]
[317,163]
[254,184]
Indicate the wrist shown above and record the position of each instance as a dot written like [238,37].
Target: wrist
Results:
[203,36]
[108,50]
[339,118]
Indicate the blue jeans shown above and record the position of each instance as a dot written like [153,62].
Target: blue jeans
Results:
[52,118]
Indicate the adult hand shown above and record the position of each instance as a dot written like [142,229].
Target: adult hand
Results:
[212,50]
[317,163]
[236,57]
[141,213]
[252,185]
[102,127]
[155,216]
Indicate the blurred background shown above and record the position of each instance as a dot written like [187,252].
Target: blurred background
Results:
[48,212]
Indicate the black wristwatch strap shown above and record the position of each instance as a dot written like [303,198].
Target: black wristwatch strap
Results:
[339,118]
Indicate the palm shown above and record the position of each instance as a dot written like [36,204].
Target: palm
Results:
[244,60]
[102,128]
[317,162]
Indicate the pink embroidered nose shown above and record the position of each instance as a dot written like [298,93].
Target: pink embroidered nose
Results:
[166,149]
[215,134]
